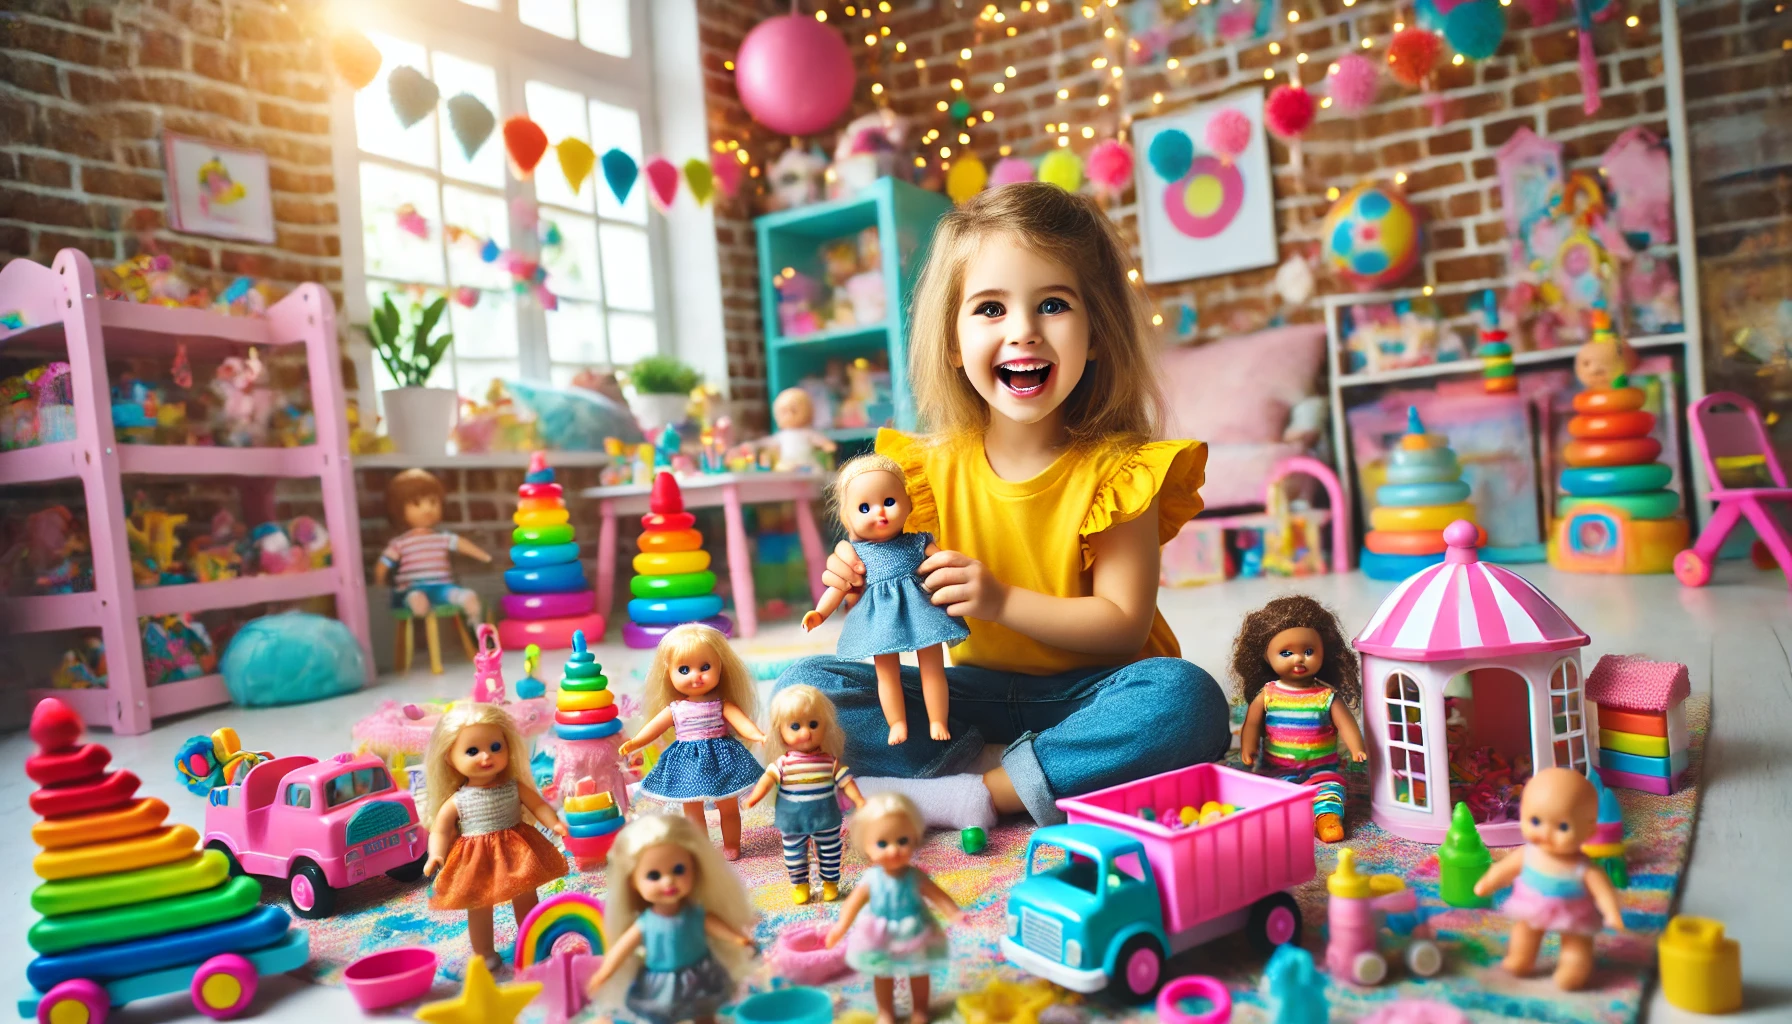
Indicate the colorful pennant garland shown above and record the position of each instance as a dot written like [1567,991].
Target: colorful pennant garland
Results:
[471,121]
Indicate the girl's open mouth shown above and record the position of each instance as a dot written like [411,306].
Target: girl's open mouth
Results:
[1024,377]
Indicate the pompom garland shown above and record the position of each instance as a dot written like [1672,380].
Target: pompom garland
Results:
[1476,29]
[1412,55]
[1228,132]
[1353,84]
[1109,166]
[1289,111]
[1009,170]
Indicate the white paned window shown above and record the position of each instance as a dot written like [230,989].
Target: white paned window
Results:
[601,25]
[1567,717]
[1406,743]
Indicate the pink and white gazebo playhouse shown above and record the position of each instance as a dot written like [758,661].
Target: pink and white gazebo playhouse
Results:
[1466,663]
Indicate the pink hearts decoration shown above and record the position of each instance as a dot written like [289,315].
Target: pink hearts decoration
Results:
[662,182]
[727,171]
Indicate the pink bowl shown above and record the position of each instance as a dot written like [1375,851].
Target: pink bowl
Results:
[390,977]
[801,955]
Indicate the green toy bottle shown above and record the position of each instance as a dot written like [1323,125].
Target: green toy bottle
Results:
[1461,861]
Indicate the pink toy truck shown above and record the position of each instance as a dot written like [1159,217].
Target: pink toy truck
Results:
[321,825]
[1111,895]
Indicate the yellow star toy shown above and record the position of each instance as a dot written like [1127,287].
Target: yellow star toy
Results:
[481,1000]
[1005,1002]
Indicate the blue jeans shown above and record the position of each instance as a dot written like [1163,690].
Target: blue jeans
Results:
[1067,734]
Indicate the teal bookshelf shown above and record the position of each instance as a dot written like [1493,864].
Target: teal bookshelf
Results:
[904,217]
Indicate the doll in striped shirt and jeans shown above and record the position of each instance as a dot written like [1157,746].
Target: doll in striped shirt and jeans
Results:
[417,559]
[803,744]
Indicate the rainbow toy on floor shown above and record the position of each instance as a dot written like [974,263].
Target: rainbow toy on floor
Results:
[1423,494]
[549,598]
[563,968]
[1643,738]
[133,908]
[588,759]
[675,584]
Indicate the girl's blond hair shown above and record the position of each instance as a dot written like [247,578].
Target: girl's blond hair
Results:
[800,702]
[735,685]
[718,890]
[882,805]
[1119,395]
[439,775]
[858,466]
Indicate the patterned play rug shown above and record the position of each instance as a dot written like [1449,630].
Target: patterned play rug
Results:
[380,915]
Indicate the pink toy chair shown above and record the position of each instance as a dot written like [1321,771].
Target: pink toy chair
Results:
[1727,429]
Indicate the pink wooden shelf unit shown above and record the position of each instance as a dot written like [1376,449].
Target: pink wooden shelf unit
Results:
[60,306]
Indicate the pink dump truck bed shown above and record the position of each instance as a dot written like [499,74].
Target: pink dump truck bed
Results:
[1206,871]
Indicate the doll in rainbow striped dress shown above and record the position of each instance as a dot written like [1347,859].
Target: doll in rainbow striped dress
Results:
[1301,681]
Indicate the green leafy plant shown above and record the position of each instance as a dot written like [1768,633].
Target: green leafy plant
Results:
[407,349]
[663,375]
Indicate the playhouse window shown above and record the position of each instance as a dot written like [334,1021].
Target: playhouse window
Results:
[1406,742]
[1567,717]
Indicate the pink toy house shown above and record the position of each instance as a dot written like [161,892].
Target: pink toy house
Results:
[1466,665]
[1640,708]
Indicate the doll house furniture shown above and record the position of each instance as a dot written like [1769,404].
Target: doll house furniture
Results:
[404,641]
[1640,707]
[61,312]
[1745,480]
[904,217]
[1477,639]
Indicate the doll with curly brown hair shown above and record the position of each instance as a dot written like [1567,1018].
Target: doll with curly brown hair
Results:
[1301,680]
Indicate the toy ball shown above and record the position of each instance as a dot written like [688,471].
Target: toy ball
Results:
[1353,84]
[1412,55]
[794,74]
[1062,168]
[1372,234]
[1171,153]
[1289,111]
[1009,170]
[1109,166]
[1228,133]
[966,178]
[291,658]
[1476,29]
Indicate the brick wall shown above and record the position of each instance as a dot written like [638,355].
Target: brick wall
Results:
[87,87]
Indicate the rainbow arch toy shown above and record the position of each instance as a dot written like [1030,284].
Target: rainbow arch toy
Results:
[563,973]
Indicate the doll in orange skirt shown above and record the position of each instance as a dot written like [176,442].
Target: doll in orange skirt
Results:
[480,839]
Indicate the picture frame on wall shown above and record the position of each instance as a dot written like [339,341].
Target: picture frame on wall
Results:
[218,190]
[1215,217]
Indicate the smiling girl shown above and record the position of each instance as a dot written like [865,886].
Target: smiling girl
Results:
[1049,501]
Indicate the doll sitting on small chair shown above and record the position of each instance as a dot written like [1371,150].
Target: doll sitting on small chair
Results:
[417,563]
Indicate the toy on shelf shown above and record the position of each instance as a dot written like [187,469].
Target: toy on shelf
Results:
[481,1000]
[176,647]
[417,562]
[218,555]
[1245,863]
[51,554]
[83,668]
[549,599]
[1643,739]
[1498,375]
[495,425]
[1552,890]
[1423,494]
[1607,848]
[153,544]
[1701,968]
[37,407]
[803,764]
[564,968]
[390,977]
[247,403]
[674,584]
[1485,632]
[1746,481]
[796,441]
[801,954]
[1173,1000]
[1295,988]
[1391,335]
[1462,858]
[1357,907]
[131,908]
[204,763]
[322,825]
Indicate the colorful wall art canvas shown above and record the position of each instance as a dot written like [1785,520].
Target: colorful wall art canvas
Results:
[218,190]
[1199,214]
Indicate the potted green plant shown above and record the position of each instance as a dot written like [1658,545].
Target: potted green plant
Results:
[419,418]
[662,387]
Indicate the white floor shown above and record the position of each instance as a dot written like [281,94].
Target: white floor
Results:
[1734,635]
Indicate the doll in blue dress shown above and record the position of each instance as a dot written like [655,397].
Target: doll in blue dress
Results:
[894,613]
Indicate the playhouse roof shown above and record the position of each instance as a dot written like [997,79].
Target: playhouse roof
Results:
[1463,608]
[1631,682]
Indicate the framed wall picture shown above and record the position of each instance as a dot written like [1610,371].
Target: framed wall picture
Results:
[218,190]
[1214,217]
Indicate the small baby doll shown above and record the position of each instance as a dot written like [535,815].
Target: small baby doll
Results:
[897,935]
[894,613]
[803,749]
[485,850]
[796,439]
[1293,663]
[700,688]
[417,559]
[1553,889]
[677,904]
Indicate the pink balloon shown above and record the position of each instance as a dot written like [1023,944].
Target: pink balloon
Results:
[662,182]
[794,74]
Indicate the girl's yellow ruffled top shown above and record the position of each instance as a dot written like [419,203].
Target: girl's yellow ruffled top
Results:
[1034,533]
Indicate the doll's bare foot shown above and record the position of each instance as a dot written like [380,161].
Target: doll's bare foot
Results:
[1521,950]
[938,731]
[1330,828]
[886,1017]
[493,961]
[811,619]
[1576,963]
[898,733]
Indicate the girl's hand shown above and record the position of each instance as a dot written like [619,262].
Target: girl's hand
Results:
[835,934]
[963,586]
[560,827]
[1360,756]
[845,573]
[628,747]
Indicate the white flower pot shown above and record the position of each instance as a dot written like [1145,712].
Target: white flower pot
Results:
[655,411]
[419,420]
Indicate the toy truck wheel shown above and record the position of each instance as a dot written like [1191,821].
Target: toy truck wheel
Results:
[1137,970]
[1424,959]
[1690,569]
[74,1002]
[1274,921]
[1368,968]
[312,896]
[236,867]
[224,986]
[409,872]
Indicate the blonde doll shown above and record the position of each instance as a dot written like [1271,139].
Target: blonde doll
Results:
[893,613]
[1043,484]
[684,910]
[896,935]
[802,750]
[485,850]
[698,686]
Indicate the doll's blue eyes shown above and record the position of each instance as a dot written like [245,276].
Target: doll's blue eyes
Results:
[472,751]
[864,506]
[684,670]
[882,843]
[678,869]
[902,842]
[889,502]
[1536,822]
[496,746]
[814,725]
[1563,827]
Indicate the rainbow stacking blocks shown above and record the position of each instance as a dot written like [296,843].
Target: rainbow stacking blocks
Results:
[1616,514]
[132,908]
[1423,494]
[592,821]
[584,709]
[1643,739]
[1607,846]
[549,598]
[675,584]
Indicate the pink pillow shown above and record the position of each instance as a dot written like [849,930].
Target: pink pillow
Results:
[1240,389]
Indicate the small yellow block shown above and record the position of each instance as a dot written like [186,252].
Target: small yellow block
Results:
[1701,970]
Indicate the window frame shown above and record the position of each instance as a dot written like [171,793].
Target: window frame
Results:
[1420,750]
[1575,735]
[518,53]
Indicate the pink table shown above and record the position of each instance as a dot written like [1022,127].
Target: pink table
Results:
[709,490]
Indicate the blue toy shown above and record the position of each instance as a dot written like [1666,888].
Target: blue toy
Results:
[292,658]
[1296,990]
[529,687]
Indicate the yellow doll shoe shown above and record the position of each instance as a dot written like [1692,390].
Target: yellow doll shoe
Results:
[830,891]
[799,894]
